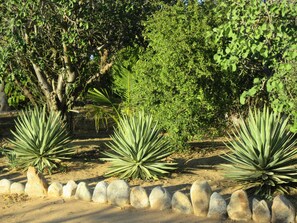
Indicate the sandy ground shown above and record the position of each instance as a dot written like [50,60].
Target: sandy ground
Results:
[201,164]
[60,210]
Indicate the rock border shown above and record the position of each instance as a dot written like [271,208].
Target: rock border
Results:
[201,202]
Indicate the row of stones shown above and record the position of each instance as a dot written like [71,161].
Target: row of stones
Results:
[203,201]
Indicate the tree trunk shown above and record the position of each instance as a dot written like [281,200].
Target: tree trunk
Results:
[3,99]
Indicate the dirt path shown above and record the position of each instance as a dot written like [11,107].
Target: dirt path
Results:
[74,211]
[200,164]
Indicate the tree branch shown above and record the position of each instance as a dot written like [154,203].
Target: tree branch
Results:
[45,86]
[104,66]
[71,74]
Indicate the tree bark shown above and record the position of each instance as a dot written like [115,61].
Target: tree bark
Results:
[3,99]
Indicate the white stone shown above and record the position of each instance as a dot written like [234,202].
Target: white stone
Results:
[100,192]
[282,210]
[5,186]
[118,193]
[36,185]
[160,199]
[217,207]
[239,209]
[180,203]
[261,212]
[83,192]
[69,189]
[55,189]
[17,188]
[139,198]
[200,196]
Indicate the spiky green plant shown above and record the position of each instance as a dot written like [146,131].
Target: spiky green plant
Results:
[103,108]
[263,156]
[138,149]
[41,139]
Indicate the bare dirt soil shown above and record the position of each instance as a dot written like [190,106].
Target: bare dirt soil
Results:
[201,163]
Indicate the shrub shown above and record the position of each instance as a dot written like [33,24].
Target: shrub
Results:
[138,149]
[40,139]
[263,155]
[176,79]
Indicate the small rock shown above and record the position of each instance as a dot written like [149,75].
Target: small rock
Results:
[69,189]
[180,203]
[139,198]
[238,209]
[82,192]
[100,193]
[118,193]
[217,207]
[5,186]
[282,210]
[36,185]
[200,195]
[261,212]
[55,189]
[17,188]
[160,199]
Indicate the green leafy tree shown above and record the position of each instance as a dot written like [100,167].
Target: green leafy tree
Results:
[175,78]
[259,43]
[51,51]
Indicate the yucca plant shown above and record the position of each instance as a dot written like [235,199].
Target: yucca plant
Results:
[138,149]
[263,156]
[41,139]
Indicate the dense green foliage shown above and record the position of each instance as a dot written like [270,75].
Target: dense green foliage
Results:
[41,140]
[259,42]
[138,149]
[176,78]
[123,75]
[51,51]
[185,62]
[262,155]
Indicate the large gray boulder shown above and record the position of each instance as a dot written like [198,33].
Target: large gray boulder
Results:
[200,196]
[100,192]
[118,193]
[217,207]
[282,210]
[261,212]
[180,203]
[139,197]
[160,198]
[238,209]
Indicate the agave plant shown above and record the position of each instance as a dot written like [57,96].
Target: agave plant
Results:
[40,139]
[262,155]
[138,149]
